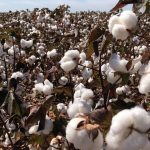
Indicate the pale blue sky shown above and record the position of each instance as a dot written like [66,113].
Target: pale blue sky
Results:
[76,5]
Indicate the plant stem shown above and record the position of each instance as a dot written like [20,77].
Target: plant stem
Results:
[1,119]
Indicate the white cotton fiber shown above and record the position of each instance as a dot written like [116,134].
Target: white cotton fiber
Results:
[80,138]
[39,87]
[128,19]
[112,21]
[144,86]
[119,32]
[118,64]
[78,107]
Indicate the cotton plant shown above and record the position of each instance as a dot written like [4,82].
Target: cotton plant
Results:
[45,88]
[128,130]
[119,26]
[47,128]
[79,135]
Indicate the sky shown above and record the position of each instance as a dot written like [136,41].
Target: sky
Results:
[76,5]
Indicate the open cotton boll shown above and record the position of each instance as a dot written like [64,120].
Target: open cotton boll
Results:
[78,107]
[111,77]
[135,141]
[61,107]
[63,80]
[128,128]
[104,68]
[142,49]
[118,64]
[47,128]
[72,54]
[80,138]
[119,32]
[87,63]
[141,119]
[144,86]
[87,73]
[128,19]
[47,90]
[26,44]
[123,89]
[17,74]
[144,69]
[82,57]
[52,53]
[68,66]
[79,86]
[33,129]
[87,94]
[119,129]
[112,21]
[39,87]
[47,82]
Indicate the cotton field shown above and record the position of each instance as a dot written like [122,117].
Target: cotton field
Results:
[75,81]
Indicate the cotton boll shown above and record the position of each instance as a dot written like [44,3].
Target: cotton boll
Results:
[47,90]
[142,49]
[119,32]
[78,107]
[119,129]
[17,75]
[52,53]
[47,128]
[63,80]
[87,73]
[87,94]
[26,44]
[47,82]
[128,130]
[82,57]
[144,86]
[80,138]
[112,21]
[87,64]
[118,64]
[39,87]
[111,77]
[141,119]
[79,86]
[72,54]
[128,19]
[68,66]
[61,107]
[123,89]
[33,129]
[104,68]
[135,141]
